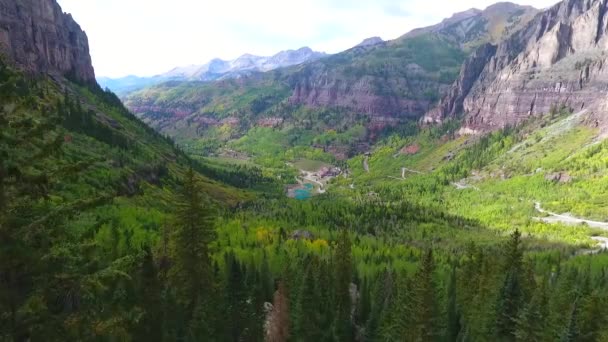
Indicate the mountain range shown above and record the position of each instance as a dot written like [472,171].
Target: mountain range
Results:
[216,69]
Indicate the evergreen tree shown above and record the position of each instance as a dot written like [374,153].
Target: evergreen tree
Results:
[344,271]
[308,323]
[381,302]
[572,333]
[236,298]
[510,298]
[398,324]
[531,323]
[191,275]
[149,298]
[593,316]
[425,308]
[453,317]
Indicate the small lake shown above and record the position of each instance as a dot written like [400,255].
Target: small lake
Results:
[305,192]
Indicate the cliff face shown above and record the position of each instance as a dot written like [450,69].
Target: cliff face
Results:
[39,37]
[558,59]
[401,93]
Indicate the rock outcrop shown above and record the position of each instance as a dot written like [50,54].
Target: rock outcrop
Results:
[558,60]
[370,42]
[40,38]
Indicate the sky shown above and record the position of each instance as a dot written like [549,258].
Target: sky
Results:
[149,37]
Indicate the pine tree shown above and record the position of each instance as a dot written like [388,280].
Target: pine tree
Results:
[307,326]
[381,302]
[510,298]
[593,316]
[149,297]
[425,308]
[398,324]
[453,318]
[531,323]
[344,271]
[572,333]
[236,298]
[191,274]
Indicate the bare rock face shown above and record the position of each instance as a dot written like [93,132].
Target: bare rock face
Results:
[559,177]
[324,88]
[40,38]
[469,74]
[558,59]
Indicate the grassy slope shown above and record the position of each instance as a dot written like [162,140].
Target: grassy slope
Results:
[127,163]
[503,189]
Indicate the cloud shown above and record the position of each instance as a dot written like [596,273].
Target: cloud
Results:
[147,37]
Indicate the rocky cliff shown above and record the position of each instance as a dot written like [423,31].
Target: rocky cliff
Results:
[39,37]
[558,59]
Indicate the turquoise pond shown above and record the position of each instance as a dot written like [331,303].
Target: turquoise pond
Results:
[305,193]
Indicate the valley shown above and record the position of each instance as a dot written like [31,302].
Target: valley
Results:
[447,185]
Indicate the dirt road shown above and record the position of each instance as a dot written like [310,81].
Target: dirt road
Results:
[567,218]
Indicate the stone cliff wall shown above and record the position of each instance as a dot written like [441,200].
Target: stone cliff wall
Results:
[560,58]
[39,37]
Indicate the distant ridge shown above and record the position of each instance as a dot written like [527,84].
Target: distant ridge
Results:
[216,69]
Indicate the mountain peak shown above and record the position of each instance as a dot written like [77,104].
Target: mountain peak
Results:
[471,12]
[304,49]
[370,41]
[504,5]
[473,27]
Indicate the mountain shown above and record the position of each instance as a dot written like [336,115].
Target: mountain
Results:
[370,42]
[419,64]
[216,69]
[557,60]
[220,69]
[376,84]
[40,38]
[474,27]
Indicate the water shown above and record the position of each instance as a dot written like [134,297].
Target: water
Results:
[304,193]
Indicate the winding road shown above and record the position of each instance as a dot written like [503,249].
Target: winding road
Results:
[602,242]
[567,218]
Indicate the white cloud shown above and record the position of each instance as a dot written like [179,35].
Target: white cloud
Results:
[146,37]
